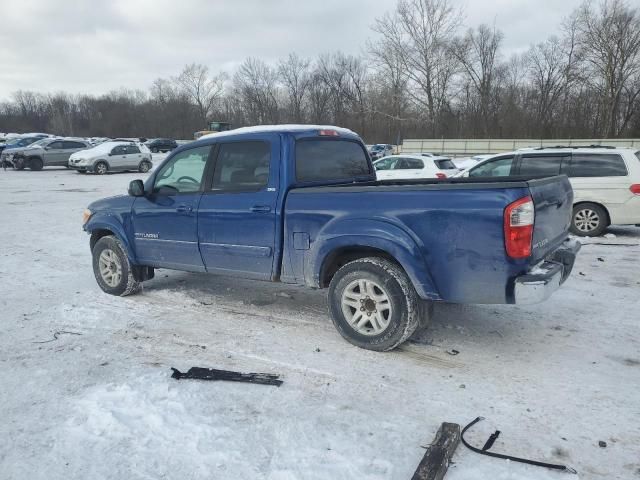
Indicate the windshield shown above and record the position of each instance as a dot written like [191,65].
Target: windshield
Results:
[39,143]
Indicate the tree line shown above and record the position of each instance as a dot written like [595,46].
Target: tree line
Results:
[423,74]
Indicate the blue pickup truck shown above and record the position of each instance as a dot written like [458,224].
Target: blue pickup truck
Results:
[301,204]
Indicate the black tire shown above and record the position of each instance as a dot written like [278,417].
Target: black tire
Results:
[589,220]
[406,308]
[18,163]
[154,150]
[101,168]
[126,284]
[35,163]
[144,166]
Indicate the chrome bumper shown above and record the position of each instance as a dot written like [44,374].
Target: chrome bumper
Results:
[541,281]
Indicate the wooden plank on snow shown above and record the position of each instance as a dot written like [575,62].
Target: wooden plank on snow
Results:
[436,459]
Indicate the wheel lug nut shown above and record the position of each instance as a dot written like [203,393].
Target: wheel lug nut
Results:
[368,314]
[362,309]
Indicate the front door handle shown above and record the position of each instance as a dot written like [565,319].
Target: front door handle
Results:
[261,208]
[184,209]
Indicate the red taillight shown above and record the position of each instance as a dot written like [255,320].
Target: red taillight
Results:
[328,133]
[635,188]
[518,227]
[440,175]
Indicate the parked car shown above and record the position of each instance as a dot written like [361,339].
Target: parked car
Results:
[380,150]
[111,157]
[161,145]
[239,203]
[10,147]
[605,181]
[408,167]
[47,152]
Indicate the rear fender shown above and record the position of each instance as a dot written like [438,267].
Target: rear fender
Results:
[366,233]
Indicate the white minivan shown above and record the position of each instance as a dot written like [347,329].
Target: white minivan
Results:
[605,181]
[410,167]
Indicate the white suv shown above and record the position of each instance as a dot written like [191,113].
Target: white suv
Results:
[410,167]
[605,180]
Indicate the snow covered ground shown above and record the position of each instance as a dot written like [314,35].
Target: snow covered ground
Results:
[99,403]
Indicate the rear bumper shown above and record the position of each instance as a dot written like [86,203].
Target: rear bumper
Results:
[541,281]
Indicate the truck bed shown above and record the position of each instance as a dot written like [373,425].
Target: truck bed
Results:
[454,225]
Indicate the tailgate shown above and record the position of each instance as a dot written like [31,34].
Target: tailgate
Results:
[553,200]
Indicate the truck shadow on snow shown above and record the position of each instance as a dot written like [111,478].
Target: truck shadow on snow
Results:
[450,325]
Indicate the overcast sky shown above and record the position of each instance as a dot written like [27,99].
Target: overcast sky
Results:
[94,46]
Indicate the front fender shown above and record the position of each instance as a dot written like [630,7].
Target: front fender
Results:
[108,222]
[367,233]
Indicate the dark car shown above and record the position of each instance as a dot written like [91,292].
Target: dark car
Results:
[162,145]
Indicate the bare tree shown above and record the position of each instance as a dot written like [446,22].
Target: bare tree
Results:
[609,42]
[202,88]
[546,63]
[295,76]
[478,54]
[420,33]
[255,83]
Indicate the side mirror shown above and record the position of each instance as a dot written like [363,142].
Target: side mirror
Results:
[47,148]
[136,188]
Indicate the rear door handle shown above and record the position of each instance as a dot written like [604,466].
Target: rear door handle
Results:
[261,208]
[184,209]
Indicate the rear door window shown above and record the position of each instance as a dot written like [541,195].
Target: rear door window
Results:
[499,167]
[409,164]
[242,167]
[68,145]
[543,165]
[325,159]
[597,165]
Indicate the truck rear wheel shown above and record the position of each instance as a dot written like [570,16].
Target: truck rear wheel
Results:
[112,269]
[374,305]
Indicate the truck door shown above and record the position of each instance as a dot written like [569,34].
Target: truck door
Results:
[165,224]
[237,213]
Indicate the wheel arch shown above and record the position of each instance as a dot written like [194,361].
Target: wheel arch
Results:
[389,242]
[99,229]
[101,160]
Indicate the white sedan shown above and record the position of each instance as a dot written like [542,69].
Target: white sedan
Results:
[409,167]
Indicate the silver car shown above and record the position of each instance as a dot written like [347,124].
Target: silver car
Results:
[112,157]
[48,152]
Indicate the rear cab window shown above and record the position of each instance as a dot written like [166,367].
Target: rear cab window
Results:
[597,165]
[329,160]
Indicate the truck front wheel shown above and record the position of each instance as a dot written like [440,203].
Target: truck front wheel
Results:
[374,305]
[112,269]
